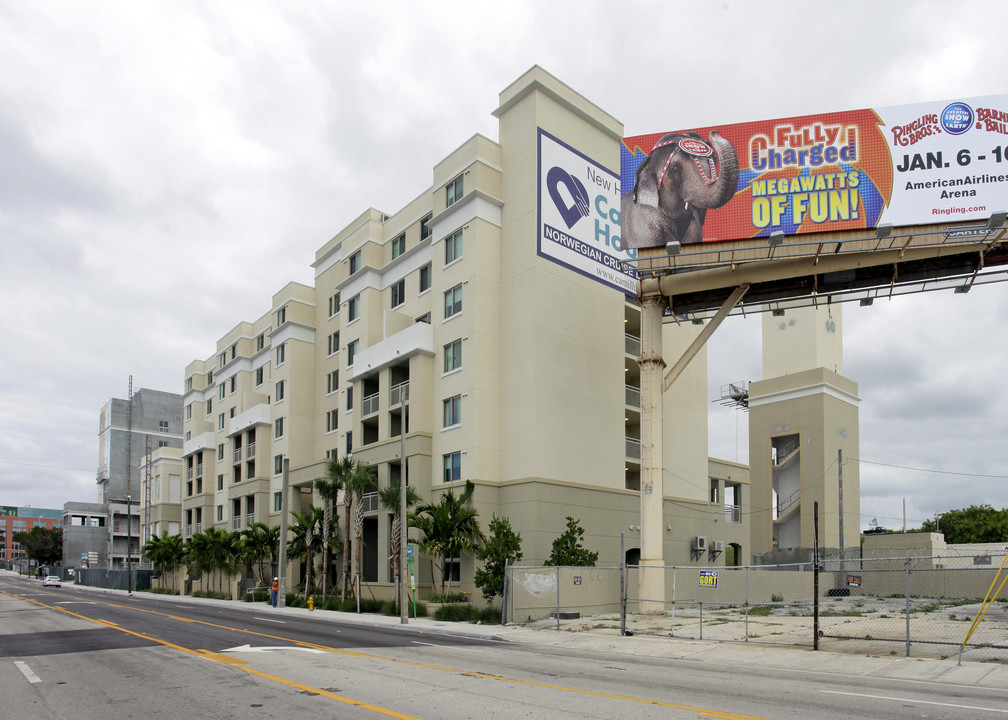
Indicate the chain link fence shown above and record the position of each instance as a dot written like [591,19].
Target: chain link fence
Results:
[910,607]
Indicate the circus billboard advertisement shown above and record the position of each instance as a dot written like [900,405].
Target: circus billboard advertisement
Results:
[579,215]
[855,170]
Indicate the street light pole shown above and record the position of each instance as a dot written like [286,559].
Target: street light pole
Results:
[129,543]
[403,594]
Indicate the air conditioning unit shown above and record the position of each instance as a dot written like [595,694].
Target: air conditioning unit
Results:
[699,543]
[718,546]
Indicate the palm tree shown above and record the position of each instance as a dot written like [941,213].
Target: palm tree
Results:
[220,551]
[450,528]
[198,555]
[305,537]
[259,542]
[339,471]
[328,489]
[360,480]
[165,553]
[389,499]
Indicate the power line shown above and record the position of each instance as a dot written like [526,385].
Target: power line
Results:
[929,470]
[50,467]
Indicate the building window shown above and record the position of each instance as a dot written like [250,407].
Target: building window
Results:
[332,421]
[399,293]
[209,407]
[425,277]
[278,428]
[260,341]
[280,391]
[353,308]
[453,301]
[351,351]
[221,392]
[349,443]
[220,451]
[209,378]
[232,412]
[188,416]
[234,384]
[332,382]
[399,246]
[281,353]
[453,355]
[220,421]
[259,377]
[220,481]
[234,350]
[349,398]
[452,467]
[453,247]
[188,384]
[220,513]
[425,318]
[453,192]
[223,359]
[452,411]
[333,304]
[281,316]
[425,229]
[334,343]
[355,262]
[278,464]
[277,502]
[452,568]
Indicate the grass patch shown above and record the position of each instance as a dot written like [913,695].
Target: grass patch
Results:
[211,594]
[760,610]
[463,612]
[165,591]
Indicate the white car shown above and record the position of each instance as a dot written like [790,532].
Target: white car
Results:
[51,581]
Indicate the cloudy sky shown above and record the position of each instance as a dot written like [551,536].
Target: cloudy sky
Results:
[166,167]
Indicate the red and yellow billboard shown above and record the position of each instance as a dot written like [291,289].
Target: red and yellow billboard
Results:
[907,165]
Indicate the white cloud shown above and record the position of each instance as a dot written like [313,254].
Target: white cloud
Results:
[167,167]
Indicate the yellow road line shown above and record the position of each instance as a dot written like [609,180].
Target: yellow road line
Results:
[705,712]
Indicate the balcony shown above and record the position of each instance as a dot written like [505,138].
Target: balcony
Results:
[199,470]
[733,513]
[399,394]
[632,396]
[633,449]
[236,523]
[249,519]
[631,345]
[250,450]
[369,502]
[369,406]
[237,454]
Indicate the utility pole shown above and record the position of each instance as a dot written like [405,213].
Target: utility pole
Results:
[129,543]
[282,569]
[403,614]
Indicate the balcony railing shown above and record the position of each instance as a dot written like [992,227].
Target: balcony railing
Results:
[249,519]
[369,502]
[399,393]
[237,454]
[369,406]
[632,396]
[733,513]
[189,473]
[250,450]
[633,448]
[631,345]
[236,523]
[199,470]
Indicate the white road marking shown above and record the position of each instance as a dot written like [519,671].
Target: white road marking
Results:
[27,671]
[447,647]
[77,602]
[282,622]
[915,700]
[268,648]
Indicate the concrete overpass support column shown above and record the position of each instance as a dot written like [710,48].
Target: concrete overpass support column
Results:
[652,366]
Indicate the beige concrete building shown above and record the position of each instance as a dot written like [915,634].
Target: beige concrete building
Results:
[442,328]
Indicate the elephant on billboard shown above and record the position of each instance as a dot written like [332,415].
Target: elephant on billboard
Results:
[675,186]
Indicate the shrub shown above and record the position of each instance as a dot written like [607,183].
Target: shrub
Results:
[467,613]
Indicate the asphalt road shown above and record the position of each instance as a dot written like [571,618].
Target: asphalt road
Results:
[76,653]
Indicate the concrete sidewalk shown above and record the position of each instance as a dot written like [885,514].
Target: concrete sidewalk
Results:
[993,675]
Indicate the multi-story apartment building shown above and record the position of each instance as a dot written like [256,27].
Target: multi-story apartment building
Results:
[441,329]
[22,519]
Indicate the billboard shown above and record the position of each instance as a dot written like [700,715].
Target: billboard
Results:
[854,170]
[579,215]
